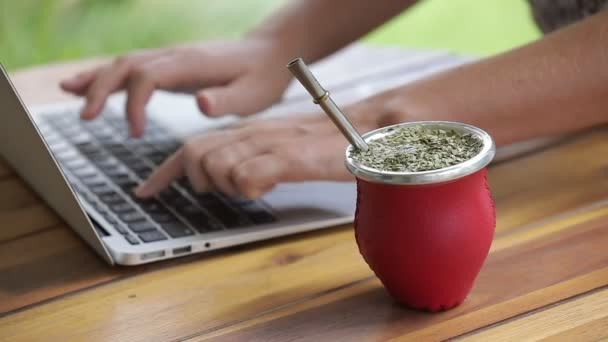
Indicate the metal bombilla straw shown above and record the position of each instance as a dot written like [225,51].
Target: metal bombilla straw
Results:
[321,97]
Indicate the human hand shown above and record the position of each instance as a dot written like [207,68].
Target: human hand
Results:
[240,77]
[250,159]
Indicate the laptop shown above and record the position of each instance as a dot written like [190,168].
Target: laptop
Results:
[86,171]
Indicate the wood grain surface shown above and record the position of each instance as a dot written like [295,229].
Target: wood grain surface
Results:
[548,261]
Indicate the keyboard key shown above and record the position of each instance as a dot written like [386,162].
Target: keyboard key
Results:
[189,209]
[166,146]
[141,226]
[151,206]
[157,158]
[261,217]
[132,239]
[174,198]
[94,182]
[163,217]
[229,217]
[151,236]
[102,211]
[131,193]
[111,220]
[256,212]
[75,163]
[88,148]
[80,139]
[144,173]
[144,149]
[107,164]
[120,177]
[102,190]
[125,185]
[132,216]
[121,208]
[85,173]
[97,206]
[121,229]
[66,155]
[85,197]
[169,194]
[112,199]
[97,157]
[138,166]
[203,223]
[119,150]
[208,198]
[177,229]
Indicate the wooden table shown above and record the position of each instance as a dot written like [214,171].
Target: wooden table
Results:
[546,276]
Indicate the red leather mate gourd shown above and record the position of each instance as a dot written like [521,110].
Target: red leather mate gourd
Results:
[426,234]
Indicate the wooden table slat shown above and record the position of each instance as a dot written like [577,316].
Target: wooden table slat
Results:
[581,318]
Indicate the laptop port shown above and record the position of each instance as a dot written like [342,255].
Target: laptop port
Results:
[182,250]
[152,255]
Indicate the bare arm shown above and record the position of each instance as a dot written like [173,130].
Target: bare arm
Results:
[241,77]
[313,29]
[556,85]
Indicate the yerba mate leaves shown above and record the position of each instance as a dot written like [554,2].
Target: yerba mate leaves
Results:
[416,149]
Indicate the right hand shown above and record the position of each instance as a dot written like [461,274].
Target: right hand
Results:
[241,77]
[250,158]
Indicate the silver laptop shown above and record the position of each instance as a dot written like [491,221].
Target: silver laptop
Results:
[86,171]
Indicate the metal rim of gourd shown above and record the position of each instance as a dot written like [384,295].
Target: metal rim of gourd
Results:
[478,162]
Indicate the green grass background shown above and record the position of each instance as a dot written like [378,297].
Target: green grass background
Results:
[42,31]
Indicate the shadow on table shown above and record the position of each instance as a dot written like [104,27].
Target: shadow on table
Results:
[370,313]
[76,267]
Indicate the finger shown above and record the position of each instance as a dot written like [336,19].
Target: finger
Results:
[241,97]
[192,163]
[172,71]
[258,175]
[195,150]
[220,162]
[80,83]
[112,78]
[143,80]
[170,170]
[109,79]
[302,159]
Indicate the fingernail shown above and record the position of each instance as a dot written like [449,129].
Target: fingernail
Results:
[67,84]
[254,194]
[142,190]
[204,103]
[86,114]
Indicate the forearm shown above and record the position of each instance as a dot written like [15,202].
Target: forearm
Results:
[556,85]
[313,29]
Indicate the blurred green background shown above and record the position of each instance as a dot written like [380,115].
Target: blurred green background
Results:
[42,31]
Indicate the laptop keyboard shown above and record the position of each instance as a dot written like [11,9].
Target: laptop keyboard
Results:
[104,167]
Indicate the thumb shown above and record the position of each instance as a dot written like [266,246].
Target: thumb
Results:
[242,97]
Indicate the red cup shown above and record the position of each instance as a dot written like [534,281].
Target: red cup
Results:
[426,234]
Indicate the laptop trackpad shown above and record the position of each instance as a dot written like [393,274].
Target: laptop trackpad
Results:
[312,199]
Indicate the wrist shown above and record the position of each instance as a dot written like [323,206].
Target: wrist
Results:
[388,108]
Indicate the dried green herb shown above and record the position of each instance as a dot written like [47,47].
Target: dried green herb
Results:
[415,149]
